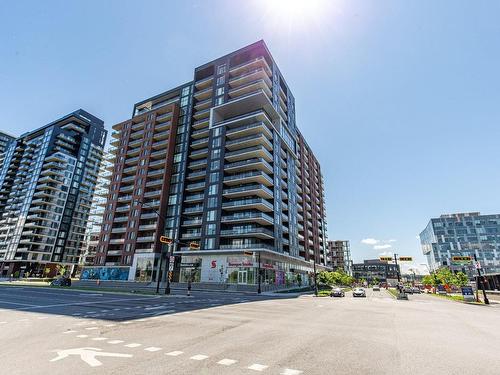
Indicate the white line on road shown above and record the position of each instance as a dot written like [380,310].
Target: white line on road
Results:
[175,353]
[199,357]
[91,328]
[109,325]
[23,320]
[113,342]
[257,367]
[227,362]
[82,303]
[3,322]
[289,371]
[100,338]
[133,345]
[69,331]
[82,336]
[152,349]
[43,317]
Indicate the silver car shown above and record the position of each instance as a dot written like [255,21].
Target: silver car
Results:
[358,292]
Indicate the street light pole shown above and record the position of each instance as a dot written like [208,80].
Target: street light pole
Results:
[158,274]
[167,288]
[315,279]
[258,277]
[397,268]
[486,301]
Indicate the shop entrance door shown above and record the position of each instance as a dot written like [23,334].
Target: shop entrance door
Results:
[242,277]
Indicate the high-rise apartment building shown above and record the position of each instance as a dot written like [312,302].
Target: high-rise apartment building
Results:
[218,162]
[94,224]
[463,234]
[339,256]
[5,139]
[47,179]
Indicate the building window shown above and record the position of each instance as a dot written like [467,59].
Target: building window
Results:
[212,190]
[211,215]
[209,243]
[221,69]
[211,229]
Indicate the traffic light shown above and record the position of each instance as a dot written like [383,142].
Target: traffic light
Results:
[194,246]
[165,239]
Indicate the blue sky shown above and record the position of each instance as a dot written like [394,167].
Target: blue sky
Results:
[400,100]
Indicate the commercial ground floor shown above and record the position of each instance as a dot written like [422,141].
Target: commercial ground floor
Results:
[19,269]
[223,267]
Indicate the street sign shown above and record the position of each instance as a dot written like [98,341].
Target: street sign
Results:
[468,293]
[461,259]
[385,259]
[171,266]
[248,253]
[194,245]
[405,259]
[478,265]
[172,259]
[165,239]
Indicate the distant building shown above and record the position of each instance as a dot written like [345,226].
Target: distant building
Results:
[463,234]
[375,269]
[47,179]
[339,256]
[97,211]
[5,139]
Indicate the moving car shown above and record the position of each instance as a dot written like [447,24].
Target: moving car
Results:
[408,290]
[376,288]
[61,281]
[337,292]
[416,290]
[358,292]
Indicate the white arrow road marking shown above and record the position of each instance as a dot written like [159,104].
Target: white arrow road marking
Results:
[87,355]
[227,362]
[289,371]
[257,367]
[175,353]
[199,357]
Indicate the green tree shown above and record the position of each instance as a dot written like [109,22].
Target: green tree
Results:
[461,279]
[445,276]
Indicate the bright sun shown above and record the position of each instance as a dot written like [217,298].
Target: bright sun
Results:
[295,9]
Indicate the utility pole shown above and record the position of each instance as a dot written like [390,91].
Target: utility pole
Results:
[479,279]
[158,276]
[397,268]
[315,279]
[258,277]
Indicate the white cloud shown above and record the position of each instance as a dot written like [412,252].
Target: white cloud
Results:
[370,241]
[386,254]
[392,240]
[382,247]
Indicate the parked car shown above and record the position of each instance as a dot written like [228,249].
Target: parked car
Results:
[61,281]
[408,290]
[337,292]
[358,292]
[376,288]
[416,290]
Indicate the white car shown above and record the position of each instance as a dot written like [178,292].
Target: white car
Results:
[376,288]
[358,292]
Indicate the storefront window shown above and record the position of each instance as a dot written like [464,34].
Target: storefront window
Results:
[144,270]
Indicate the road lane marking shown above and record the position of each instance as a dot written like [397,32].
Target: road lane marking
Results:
[257,367]
[69,331]
[113,342]
[23,320]
[199,357]
[91,328]
[289,371]
[152,349]
[82,336]
[100,338]
[87,355]
[83,303]
[227,362]
[109,325]
[133,345]
[18,303]
[175,353]
[3,322]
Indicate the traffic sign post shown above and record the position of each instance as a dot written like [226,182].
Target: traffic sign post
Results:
[479,279]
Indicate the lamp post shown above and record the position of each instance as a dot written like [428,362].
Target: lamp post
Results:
[480,279]
[315,277]
[258,278]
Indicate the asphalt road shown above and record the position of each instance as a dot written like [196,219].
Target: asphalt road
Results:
[47,331]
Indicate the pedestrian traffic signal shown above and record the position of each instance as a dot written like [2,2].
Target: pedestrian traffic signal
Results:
[194,246]
[165,239]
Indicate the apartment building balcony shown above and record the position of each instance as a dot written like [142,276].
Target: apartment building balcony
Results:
[116,241]
[204,83]
[161,144]
[198,154]
[248,66]
[202,123]
[157,182]
[133,151]
[194,198]
[198,164]
[250,76]
[246,190]
[249,141]
[200,133]
[156,172]
[196,186]
[120,219]
[250,164]
[125,189]
[203,104]
[247,177]
[251,216]
[249,152]
[154,193]
[251,129]
[199,143]
[252,87]
[124,208]
[198,175]
[164,117]
[160,153]
[251,246]
[124,198]
[192,222]
[149,215]
[138,134]
[156,164]
[119,230]
[161,135]
[256,232]
[191,234]
[128,179]
[145,239]
[138,126]
[136,143]
[147,227]
[194,209]
[257,203]
[130,170]
[205,113]
[203,94]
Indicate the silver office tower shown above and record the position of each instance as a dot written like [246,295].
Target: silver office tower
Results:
[47,179]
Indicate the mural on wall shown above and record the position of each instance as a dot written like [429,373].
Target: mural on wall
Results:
[104,273]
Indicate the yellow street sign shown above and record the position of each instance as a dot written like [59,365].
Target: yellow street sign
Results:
[164,239]
[385,259]
[405,259]
[461,259]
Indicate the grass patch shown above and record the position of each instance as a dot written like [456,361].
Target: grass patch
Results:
[393,291]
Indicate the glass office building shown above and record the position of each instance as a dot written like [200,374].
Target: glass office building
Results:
[463,234]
